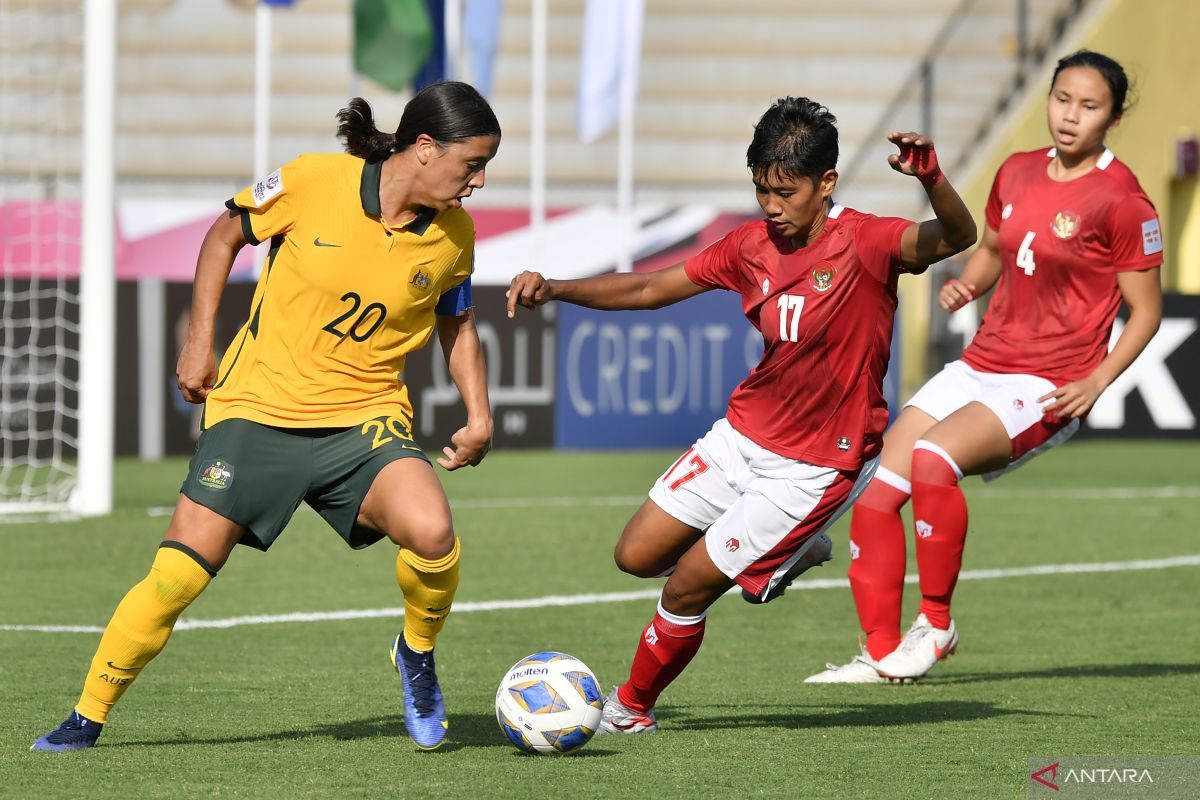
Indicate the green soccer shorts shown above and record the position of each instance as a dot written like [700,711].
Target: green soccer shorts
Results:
[257,475]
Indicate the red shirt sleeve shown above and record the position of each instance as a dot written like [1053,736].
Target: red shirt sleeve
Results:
[719,265]
[877,240]
[1135,236]
[994,208]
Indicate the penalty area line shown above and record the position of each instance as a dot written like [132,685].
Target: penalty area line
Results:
[552,601]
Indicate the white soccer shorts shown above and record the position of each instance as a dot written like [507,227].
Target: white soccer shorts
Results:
[757,508]
[1013,398]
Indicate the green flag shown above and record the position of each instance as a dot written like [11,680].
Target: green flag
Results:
[392,39]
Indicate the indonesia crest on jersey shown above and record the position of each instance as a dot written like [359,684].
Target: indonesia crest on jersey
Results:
[825,312]
[1062,244]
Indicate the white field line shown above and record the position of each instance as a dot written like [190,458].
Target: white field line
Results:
[617,597]
[1098,493]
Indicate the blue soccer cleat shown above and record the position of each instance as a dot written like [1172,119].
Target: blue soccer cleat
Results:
[424,711]
[76,733]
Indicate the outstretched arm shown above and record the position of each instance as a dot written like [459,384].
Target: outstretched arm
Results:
[464,359]
[197,367]
[1142,293]
[612,292]
[952,229]
[978,276]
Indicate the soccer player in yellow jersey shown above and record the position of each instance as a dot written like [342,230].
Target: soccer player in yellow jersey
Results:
[370,252]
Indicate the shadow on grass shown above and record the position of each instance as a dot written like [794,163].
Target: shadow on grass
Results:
[844,715]
[1078,671]
[466,731]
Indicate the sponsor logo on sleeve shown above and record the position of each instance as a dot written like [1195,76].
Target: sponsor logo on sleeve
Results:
[1151,237]
[267,188]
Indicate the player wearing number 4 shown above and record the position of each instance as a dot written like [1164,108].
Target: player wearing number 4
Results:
[748,504]
[370,252]
[1070,234]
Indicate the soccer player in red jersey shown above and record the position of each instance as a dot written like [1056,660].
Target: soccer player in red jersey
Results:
[750,501]
[1070,235]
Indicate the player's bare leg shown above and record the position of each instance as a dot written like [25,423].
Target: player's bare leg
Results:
[406,503]
[653,542]
[668,643]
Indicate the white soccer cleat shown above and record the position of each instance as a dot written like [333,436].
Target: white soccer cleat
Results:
[923,647]
[861,669]
[815,552]
[619,718]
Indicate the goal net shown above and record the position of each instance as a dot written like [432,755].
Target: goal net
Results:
[41,56]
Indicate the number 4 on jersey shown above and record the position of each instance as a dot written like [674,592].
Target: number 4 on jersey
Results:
[1025,254]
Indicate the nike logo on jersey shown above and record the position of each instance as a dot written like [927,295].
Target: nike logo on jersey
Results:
[317,241]
[123,669]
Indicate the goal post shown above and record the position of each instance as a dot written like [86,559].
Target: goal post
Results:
[92,494]
[57,292]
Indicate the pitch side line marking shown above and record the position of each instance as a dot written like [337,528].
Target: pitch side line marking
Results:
[619,597]
[976,493]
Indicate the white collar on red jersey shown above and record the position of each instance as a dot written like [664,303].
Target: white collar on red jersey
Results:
[835,211]
[1106,158]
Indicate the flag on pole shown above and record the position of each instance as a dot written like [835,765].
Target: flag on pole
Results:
[392,40]
[612,30]
[481,29]
[434,68]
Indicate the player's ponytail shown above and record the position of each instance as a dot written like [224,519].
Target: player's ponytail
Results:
[356,128]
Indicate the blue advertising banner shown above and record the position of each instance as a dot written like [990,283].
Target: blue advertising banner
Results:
[637,379]
[649,378]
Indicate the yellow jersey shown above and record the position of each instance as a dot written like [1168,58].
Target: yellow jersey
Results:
[343,298]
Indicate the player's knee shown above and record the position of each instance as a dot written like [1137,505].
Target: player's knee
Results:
[680,598]
[632,560]
[429,535]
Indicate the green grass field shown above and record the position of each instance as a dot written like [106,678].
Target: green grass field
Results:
[1091,663]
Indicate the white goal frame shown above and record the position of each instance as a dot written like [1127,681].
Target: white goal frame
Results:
[88,492]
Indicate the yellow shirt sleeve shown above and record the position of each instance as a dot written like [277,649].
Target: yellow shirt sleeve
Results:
[270,206]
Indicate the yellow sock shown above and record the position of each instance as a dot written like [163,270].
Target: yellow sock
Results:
[140,627]
[428,588]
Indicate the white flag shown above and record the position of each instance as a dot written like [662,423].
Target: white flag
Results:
[612,35]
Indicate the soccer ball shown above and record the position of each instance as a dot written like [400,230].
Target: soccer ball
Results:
[549,703]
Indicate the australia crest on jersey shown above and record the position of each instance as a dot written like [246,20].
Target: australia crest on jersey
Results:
[421,279]
[822,276]
[217,475]
[1065,224]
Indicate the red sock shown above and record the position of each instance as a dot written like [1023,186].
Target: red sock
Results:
[940,515]
[877,564]
[666,647]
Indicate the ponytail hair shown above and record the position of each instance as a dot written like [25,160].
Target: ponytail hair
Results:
[356,129]
[446,111]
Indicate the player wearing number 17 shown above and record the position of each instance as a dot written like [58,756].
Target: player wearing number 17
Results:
[370,252]
[748,504]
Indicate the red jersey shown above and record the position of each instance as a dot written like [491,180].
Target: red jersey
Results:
[1062,244]
[825,313]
